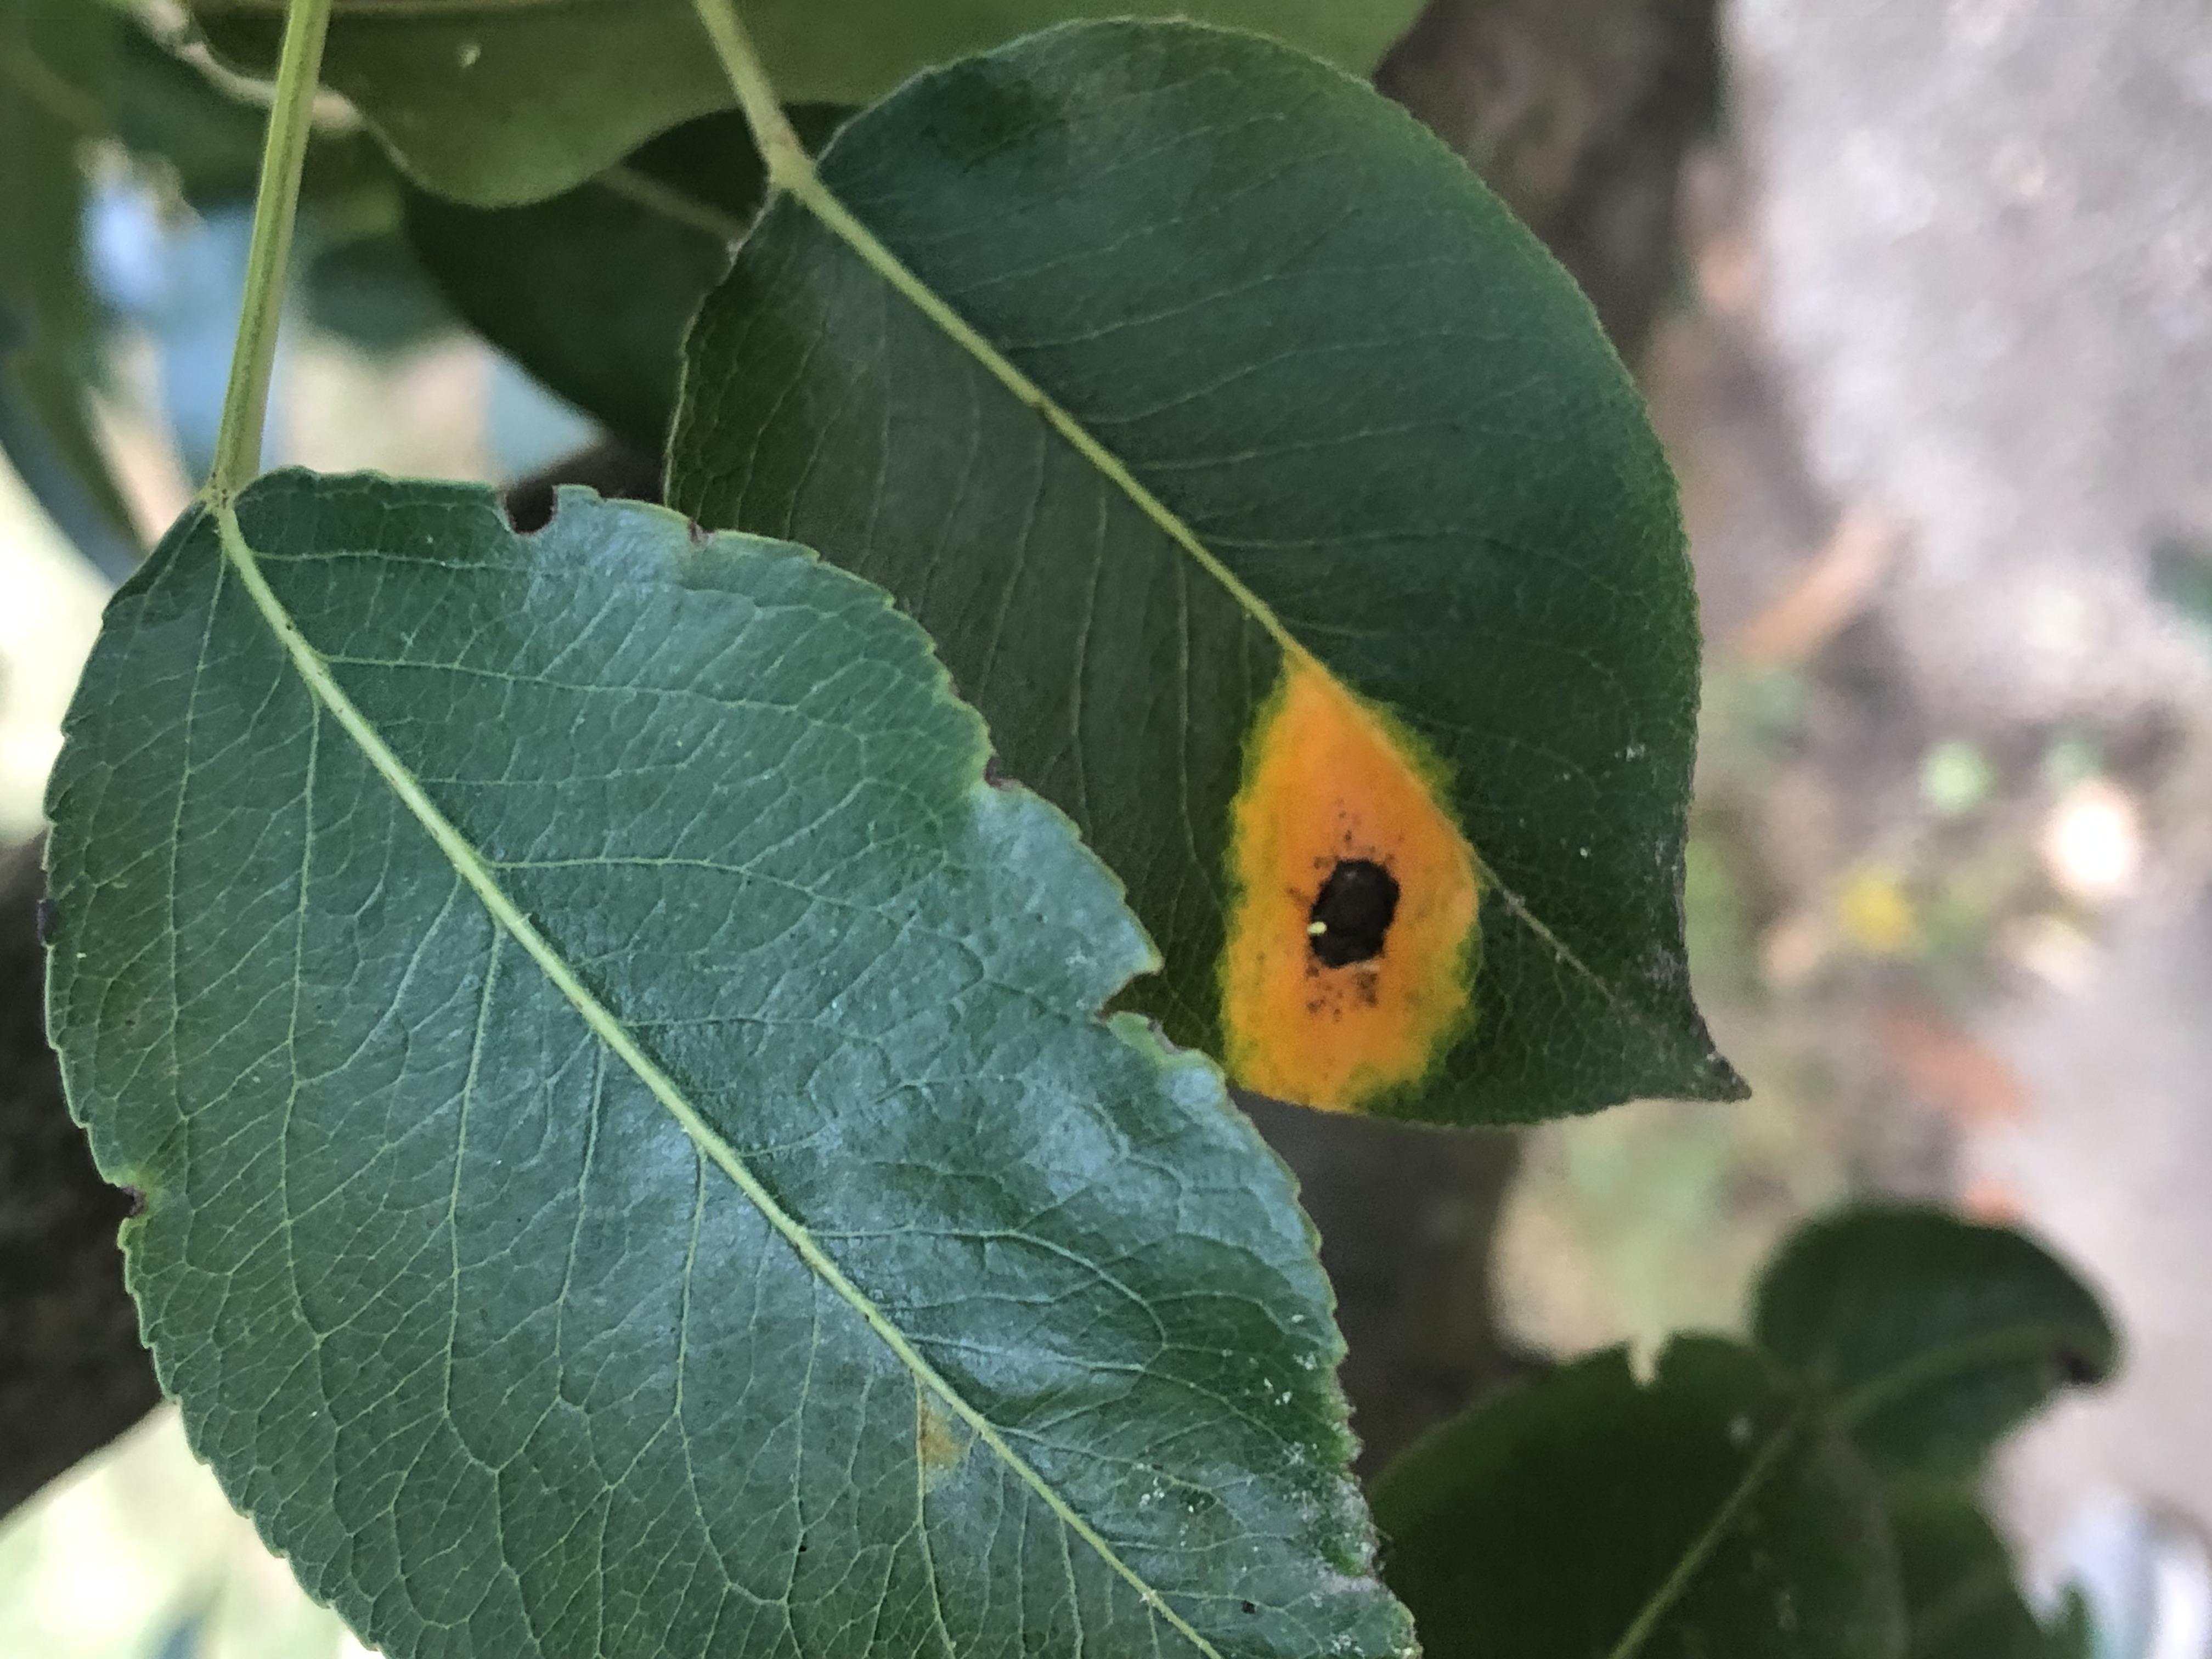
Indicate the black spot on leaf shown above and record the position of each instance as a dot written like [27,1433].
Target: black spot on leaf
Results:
[1351,913]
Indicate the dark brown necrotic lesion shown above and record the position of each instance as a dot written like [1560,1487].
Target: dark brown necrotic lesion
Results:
[1351,913]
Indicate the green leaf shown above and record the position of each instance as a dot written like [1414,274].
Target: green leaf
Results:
[591,291]
[496,102]
[56,60]
[166,108]
[1587,1516]
[630,1161]
[1935,1336]
[1278,500]
[1962,1599]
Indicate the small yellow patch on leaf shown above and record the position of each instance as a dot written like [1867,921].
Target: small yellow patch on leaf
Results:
[940,1444]
[1351,930]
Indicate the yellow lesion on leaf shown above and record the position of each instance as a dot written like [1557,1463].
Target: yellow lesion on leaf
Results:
[1330,781]
[939,1443]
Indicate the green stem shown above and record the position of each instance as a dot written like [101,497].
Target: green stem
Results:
[789,166]
[276,205]
[792,170]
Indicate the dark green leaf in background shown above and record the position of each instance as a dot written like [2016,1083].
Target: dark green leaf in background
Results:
[497,102]
[1709,1512]
[2181,573]
[631,1163]
[1935,1336]
[371,292]
[57,59]
[168,109]
[591,291]
[1373,439]
[1962,1599]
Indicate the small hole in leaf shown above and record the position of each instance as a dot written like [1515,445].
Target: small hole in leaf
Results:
[1351,913]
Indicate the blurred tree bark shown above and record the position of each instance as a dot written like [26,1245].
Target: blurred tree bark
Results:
[72,1373]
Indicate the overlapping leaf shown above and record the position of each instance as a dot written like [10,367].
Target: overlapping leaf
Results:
[1962,1599]
[1279,502]
[496,102]
[1589,1516]
[590,290]
[1935,1336]
[631,1162]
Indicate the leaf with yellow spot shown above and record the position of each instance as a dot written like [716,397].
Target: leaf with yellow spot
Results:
[1352,937]
[1277,497]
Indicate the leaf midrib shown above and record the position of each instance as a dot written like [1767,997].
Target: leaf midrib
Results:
[1671,1588]
[802,180]
[469,866]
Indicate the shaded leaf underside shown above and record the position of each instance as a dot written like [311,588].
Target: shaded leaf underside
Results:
[496,102]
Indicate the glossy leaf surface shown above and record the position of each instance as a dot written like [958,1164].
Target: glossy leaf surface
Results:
[1935,1336]
[496,102]
[1588,1515]
[590,290]
[630,1161]
[1278,500]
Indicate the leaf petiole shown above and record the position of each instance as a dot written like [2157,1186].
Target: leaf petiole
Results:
[789,166]
[276,205]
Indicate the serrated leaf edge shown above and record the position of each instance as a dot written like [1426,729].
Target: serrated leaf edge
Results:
[323,686]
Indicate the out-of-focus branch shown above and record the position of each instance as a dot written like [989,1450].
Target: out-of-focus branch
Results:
[1577,113]
[72,1373]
